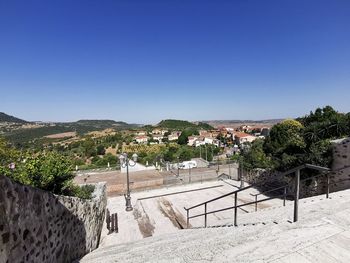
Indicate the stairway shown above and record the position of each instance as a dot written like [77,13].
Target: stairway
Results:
[321,235]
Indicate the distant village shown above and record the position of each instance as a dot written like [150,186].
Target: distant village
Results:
[225,137]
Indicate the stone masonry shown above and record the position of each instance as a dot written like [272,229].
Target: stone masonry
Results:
[38,226]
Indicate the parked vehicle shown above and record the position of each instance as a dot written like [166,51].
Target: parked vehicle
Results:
[188,165]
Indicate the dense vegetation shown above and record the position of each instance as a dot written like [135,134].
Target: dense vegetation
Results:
[294,142]
[102,124]
[49,171]
[171,152]
[181,125]
[25,137]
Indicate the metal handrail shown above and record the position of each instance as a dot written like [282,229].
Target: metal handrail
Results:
[235,193]
[238,206]
[310,166]
[217,198]
[271,190]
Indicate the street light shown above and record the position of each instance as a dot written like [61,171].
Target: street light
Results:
[178,167]
[189,172]
[125,162]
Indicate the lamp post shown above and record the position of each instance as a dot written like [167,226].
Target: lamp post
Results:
[178,166]
[125,162]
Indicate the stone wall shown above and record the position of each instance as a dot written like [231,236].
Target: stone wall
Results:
[341,164]
[38,226]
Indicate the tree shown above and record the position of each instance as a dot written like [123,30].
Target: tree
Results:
[255,157]
[89,147]
[183,138]
[285,144]
[185,154]
[325,123]
[100,150]
[7,155]
[50,172]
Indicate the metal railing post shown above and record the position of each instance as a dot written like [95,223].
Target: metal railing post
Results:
[284,196]
[296,195]
[327,194]
[235,215]
[256,203]
[205,215]
[188,219]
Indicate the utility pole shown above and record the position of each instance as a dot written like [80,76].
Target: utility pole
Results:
[241,173]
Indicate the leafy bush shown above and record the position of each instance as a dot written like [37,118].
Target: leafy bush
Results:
[48,171]
[84,191]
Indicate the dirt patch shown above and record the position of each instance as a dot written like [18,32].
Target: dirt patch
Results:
[178,220]
[61,135]
[103,133]
[143,221]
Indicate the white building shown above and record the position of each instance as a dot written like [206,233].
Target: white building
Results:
[173,136]
[209,140]
[200,141]
[141,139]
[191,140]
[158,137]
[241,137]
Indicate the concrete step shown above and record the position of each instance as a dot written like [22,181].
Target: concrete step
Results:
[322,234]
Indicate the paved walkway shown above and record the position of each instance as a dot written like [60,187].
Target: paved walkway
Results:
[152,179]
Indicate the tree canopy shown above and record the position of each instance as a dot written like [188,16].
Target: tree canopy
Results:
[304,140]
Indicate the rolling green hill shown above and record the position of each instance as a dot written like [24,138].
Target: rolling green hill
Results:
[181,125]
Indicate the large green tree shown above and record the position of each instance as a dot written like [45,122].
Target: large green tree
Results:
[305,140]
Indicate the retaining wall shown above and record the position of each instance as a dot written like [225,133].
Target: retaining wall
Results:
[38,226]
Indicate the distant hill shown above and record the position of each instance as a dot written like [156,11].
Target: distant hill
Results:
[102,123]
[245,121]
[237,123]
[8,118]
[81,127]
[180,125]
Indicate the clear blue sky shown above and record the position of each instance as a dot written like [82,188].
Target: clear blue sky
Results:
[143,61]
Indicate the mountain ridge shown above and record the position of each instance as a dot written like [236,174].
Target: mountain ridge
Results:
[9,118]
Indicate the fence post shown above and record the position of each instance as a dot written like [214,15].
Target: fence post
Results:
[284,196]
[116,228]
[296,195]
[235,215]
[113,226]
[256,203]
[205,215]
[327,194]
[108,221]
